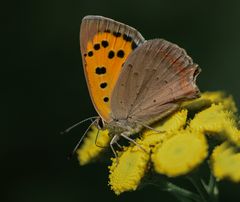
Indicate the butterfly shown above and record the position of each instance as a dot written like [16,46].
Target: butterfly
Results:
[133,82]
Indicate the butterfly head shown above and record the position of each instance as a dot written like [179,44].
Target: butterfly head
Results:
[100,124]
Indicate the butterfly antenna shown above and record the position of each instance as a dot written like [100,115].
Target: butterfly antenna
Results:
[81,139]
[77,124]
[148,127]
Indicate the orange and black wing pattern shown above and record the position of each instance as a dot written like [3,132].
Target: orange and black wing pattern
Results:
[105,46]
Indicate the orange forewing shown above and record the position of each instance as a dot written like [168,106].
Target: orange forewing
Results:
[105,46]
[105,56]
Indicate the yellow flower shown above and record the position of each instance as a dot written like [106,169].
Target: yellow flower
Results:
[126,174]
[216,120]
[207,98]
[221,97]
[180,154]
[169,126]
[89,150]
[213,119]
[226,163]
[174,122]
[178,148]
[232,134]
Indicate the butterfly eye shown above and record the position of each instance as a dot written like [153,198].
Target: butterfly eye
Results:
[100,124]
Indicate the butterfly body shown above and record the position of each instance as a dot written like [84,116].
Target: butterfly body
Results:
[133,82]
[116,127]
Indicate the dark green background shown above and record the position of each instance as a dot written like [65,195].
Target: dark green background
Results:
[44,90]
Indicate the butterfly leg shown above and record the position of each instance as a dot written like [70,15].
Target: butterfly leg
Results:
[114,140]
[96,139]
[133,141]
[120,147]
[149,127]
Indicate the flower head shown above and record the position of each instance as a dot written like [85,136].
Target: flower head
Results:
[176,145]
[180,154]
[213,119]
[127,172]
[92,147]
[209,98]
[216,120]
[167,127]
[226,162]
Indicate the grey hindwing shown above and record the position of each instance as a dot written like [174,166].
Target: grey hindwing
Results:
[154,79]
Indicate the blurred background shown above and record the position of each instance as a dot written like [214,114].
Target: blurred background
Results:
[44,91]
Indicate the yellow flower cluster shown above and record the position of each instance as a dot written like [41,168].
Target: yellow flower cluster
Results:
[127,174]
[180,154]
[91,148]
[180,147]
[226,162]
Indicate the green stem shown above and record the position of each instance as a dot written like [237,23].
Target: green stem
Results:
[199,187]
[178,191]
[213,189]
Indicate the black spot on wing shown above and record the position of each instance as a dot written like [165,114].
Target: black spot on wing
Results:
[90,53]
[103,85]
[134,45]
[105,43]
[96,46]
[106,99]
[127,38]
[120,53]
[117,34]
[100,70]
[111,54]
